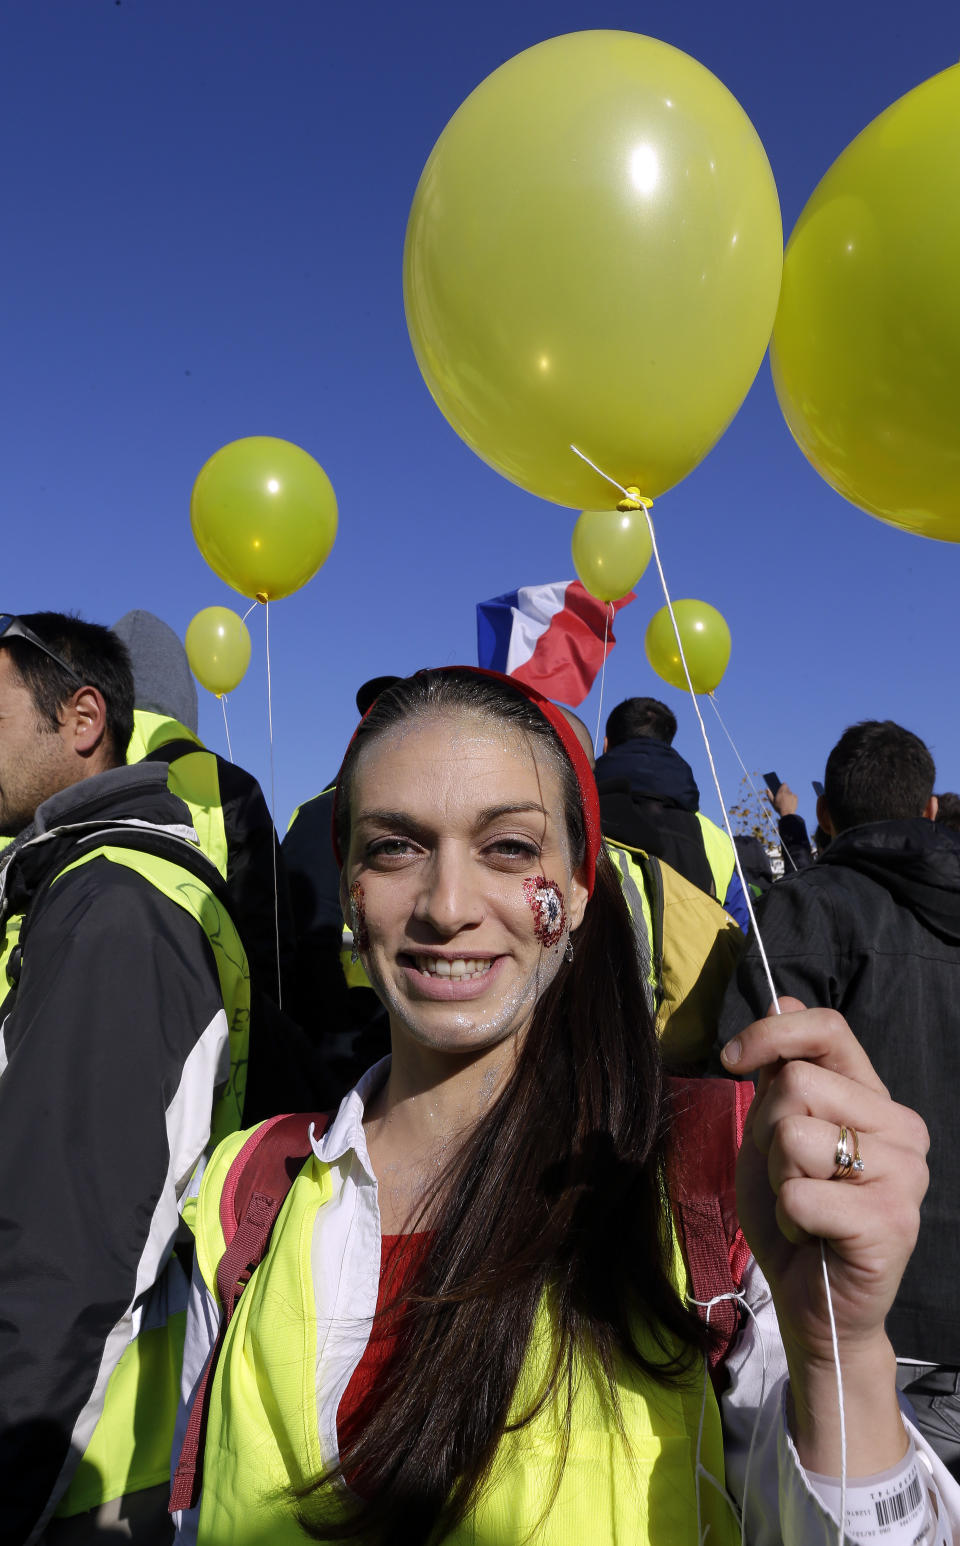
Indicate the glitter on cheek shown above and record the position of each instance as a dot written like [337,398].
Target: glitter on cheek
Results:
[358,917]
[546,903]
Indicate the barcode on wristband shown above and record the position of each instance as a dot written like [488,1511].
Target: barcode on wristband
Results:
[899,1505]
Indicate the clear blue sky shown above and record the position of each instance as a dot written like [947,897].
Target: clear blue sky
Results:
[203,212]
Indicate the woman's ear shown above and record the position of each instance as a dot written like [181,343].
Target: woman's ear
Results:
[577,898]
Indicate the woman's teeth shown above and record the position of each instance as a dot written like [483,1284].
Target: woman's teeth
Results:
[437,966]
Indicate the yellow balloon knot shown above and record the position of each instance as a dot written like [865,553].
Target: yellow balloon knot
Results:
[635,500]
[262,597]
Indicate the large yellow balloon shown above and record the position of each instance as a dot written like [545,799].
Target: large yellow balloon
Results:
[264,516]
[706,645]
[593,255]
[218,649]
[611,549]
[866,349]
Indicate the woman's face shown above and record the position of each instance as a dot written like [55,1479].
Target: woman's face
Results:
[458,880]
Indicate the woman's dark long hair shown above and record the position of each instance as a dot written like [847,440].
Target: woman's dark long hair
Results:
[558,1191]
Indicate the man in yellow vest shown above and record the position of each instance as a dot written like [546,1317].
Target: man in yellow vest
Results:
[688,944]
[123,1025]
[230,814]
[236,832]
[650,800]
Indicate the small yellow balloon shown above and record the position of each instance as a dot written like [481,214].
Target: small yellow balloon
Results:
[593,256]
[218,649]
[264,516]
[611,549]
[866,348]
[706,645]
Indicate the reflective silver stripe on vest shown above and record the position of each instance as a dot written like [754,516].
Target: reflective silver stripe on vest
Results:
[634,901]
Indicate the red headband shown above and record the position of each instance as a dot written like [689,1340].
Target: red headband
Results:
[589,799]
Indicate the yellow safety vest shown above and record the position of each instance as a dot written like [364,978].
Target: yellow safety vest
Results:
[262,1434]
[193,777]
[719,851]
[689,947]
[9,943]
[130,1446]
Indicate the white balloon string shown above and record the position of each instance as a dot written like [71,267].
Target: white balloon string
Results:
[835,1343]
[249,610]
[762,952]
[226,727]
[603,673]
[700,1469]
[716,781]
[703,729]
[273,812]
[762,805]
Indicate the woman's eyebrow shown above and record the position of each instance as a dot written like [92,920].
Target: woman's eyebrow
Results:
[494,812]
[491,813]
[383,818]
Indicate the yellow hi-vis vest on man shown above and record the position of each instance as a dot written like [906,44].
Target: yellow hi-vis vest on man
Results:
[689,947]
[193,776]
[719,852]
[263,1440]
[130,1446]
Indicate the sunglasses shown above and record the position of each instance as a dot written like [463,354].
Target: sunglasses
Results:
[12,628]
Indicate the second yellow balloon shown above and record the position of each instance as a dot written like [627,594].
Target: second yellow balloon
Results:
[218,649]
[611,549]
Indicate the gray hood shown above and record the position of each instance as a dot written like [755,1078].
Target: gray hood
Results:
[163,680]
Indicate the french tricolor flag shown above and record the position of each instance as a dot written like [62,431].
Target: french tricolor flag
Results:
[549,636]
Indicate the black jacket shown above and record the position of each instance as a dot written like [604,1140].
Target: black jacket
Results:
[166,691]
[279,1072]
[652,768]
[873,930]
[113,1038]
[347,1026]
[795,842]
[649,799]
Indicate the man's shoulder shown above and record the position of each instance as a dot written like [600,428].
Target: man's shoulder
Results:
[109,897]
[810,888]
[310,825]
[857,909]
[714,832]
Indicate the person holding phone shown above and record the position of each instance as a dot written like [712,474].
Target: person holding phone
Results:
[791,826]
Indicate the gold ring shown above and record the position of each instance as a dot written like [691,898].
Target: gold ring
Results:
[848,1162]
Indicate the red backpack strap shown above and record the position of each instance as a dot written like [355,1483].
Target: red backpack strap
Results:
[708,1121]
[257,1185]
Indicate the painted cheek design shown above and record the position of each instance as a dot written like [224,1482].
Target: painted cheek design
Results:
[358,919]
[546,904]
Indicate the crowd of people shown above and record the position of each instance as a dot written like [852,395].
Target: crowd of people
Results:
[442,1174]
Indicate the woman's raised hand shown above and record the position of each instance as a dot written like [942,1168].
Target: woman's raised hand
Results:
[828,1154]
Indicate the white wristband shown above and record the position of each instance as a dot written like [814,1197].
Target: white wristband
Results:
[894,1506]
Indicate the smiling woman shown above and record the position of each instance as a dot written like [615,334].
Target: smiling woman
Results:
[457,906]
[470,1325]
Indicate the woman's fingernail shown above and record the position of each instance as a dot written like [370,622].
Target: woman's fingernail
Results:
[731,1052]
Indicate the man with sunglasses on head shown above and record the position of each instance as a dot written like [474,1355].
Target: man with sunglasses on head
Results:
[124,1002]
